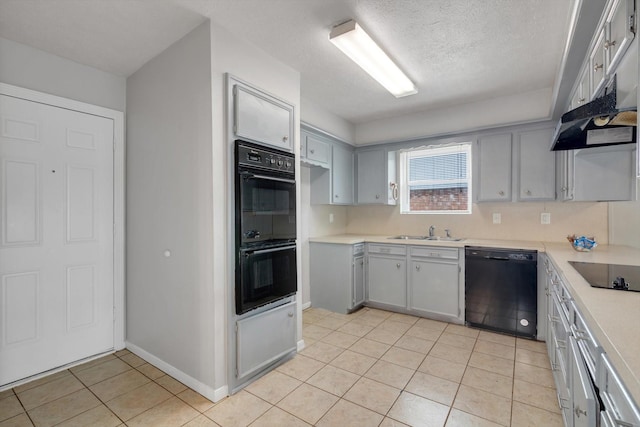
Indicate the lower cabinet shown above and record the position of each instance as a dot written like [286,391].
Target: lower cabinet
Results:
[434,281]
[585,403]
[387,280]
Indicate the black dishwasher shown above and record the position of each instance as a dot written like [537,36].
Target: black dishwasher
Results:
[501,290]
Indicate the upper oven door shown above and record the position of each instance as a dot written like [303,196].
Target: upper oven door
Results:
[267,207]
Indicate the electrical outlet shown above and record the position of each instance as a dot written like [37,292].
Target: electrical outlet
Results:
[545,218]
[330,218]
[497,218]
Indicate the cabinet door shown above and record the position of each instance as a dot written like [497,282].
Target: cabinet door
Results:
[358,281]
[619,26]
[604,173]
[494,168]
[585,406]
[565,181]
[342,176]
[434,287]
[597,64]
[318,152]
[262,118]
[255,349]
[581,94]
[372,187]
[388,281]
[537,166]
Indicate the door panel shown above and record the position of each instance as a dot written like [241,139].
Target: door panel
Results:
[56,252]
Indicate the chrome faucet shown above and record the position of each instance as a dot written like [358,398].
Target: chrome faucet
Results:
[432,230]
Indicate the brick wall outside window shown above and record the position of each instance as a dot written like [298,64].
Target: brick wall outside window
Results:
[440,199]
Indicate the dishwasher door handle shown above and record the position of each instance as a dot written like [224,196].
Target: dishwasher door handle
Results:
[497,258]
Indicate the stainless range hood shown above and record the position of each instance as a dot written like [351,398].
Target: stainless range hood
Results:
[596,124]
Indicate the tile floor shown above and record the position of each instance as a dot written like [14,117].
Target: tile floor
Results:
[370,368]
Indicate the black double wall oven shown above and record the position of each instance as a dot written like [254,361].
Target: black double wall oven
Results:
[265,225]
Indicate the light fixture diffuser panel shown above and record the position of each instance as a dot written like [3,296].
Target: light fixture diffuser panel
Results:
[354,42]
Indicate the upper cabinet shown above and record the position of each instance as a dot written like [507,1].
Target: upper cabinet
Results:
[314,151]
[342,175]
[536,166]
[597,61]
[619,28]
[494,168]
[376,177]
[262,118]
[582,93]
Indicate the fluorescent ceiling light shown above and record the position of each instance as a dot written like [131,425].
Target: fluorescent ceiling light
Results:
[351,39]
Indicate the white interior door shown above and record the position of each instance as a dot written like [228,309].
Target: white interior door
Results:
[56,237]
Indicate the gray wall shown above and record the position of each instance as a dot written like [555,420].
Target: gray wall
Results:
[169,207]
[27,67]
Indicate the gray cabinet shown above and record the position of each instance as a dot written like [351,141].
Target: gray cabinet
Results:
[597,60]
[619,31]
[257,350]
[584,409]
[601,173]
[434,282]
[314,151]
[536,166]
[376,177]
[337,276]
[494,168]
[342,175]
[331,184]
[387,275]
[262,118]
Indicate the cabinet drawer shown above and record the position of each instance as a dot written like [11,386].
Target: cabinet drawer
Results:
[387,249]
[618,405]
[434,252]
[589,347]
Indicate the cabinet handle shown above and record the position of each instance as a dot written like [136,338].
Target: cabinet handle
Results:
[394,190]
[580,335]
[579,412]
[609,44]
[290,314]
[417,268]
[285,138]
[528,192]
[562,343]
[581,100]
[501,193]
[336,196]
[377,196]
[398,265]
[312,151]
[597,67]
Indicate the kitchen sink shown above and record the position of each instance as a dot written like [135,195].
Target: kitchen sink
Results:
[443,239]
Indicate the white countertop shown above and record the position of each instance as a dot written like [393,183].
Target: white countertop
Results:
[613,316]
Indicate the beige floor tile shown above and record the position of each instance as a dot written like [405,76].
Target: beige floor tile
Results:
[135,402]
[301,367]
[483,404]
[315,332]
[345,317]
[100,416]
[414,344]
[356,328]
[462,330]
[310,318]
[373,395]
[534,374]
[529,416]
[404,318]
[333,380]
[62,409]
[273,386]
[102,371]
[390,374]
[93,363]
[459,341]
[433,388]
[492,363]
[171,412]
[277,417]
[340,339]
[172,385]
[322,351]
[495,349]
[353,362]
[21,420]
[308,403]
[535,395]
[431,324]
[391,325]
[418,411]
[462,419]
[41,381]
[6,393]
[384,336]
[345,413]
[442,368]
[449,352]
[10,407]
[407,358]
[488,381]
[330,322]
[424,333]
[201,421]
[497,338]
[537,346]
[196,400]
[150,371]
[49,391]
[370,348]
[390,422]
[121,353]
[133,360]
[120,384]
[534,358]
[238,410]
[322,312]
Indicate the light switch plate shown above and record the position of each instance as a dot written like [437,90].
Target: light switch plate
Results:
[330,218]
[545,218]
[497,218]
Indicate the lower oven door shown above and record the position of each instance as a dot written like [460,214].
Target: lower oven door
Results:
[265,274]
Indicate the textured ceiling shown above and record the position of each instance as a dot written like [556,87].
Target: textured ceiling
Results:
[456,51]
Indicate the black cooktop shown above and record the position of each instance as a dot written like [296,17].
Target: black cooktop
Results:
[610,276]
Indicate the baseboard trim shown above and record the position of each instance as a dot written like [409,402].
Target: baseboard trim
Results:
[300,346]
[306,305]
[209,392]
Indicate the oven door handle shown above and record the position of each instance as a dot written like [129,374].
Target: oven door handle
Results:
[265,251]
[270,178]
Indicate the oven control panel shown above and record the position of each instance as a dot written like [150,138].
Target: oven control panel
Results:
[252,155]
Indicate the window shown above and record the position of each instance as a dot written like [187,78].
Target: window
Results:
[436,179]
